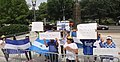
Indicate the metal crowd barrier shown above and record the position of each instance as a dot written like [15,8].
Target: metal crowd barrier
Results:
[55,57]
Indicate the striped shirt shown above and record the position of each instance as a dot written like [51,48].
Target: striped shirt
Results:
[112,45]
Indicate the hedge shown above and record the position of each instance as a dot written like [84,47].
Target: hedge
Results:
[13,29]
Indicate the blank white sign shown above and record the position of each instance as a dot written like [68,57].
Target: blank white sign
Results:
[50,35]
[37,26]
[87,31]
[106,51]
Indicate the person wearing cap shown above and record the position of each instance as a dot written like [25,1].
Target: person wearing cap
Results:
[109,43]
[28,53]
[2,41]
[71,50]
[53,47]
[2,44]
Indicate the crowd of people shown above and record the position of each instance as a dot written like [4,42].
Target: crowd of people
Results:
[68,45]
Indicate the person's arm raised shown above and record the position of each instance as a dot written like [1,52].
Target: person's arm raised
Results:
[45,43]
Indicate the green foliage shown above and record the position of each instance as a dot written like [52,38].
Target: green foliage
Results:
[56,7]
[43,11]
[100,9]
[13,11]
[12,29]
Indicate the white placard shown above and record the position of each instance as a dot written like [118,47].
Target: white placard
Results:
[106,51]
[87,31]
[63,25]
[37,26]
[90,26]
[50,35]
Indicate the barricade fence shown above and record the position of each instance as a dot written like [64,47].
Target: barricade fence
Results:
[32,56]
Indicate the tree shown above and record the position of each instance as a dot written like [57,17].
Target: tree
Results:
[100,9]
[59,8]
[13,11]
[42,12]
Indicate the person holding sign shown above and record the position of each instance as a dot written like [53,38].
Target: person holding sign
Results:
[109,43]
[88,45]
[88,35]
[53,47]
[71,50]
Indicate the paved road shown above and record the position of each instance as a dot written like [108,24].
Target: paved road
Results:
[112,29]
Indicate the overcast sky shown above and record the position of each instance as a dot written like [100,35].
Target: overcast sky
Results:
[37,2]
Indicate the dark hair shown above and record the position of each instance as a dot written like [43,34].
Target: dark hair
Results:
[71,40]
[52,40]
[14,37]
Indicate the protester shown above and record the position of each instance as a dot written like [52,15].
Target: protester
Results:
[64,35]
[2,44]
[88,45]
[109,43]
[28,53]
[71,50]
[53,48]
[73,33]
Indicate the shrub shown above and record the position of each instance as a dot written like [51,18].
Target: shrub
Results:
[13,29]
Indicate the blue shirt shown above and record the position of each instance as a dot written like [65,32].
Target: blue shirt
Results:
[112,45]
[73,34]
[52,47]
[88,46]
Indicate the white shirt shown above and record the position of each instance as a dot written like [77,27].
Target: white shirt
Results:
[2,43]
[97,43]
[70,54]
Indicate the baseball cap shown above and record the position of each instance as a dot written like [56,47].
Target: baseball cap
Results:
[69,37]
[109,37]
[2,36]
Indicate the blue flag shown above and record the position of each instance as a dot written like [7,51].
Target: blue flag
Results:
[39,46]
[16,46]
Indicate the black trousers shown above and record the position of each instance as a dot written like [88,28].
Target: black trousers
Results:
[28,55]
[53,57]
[5,54]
